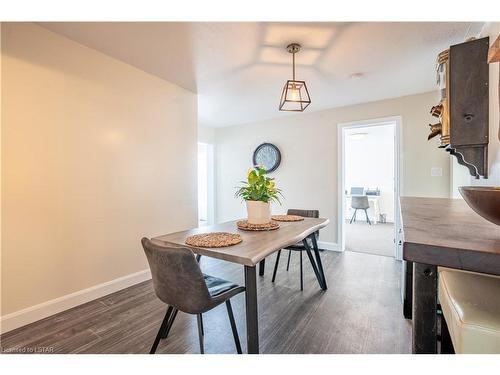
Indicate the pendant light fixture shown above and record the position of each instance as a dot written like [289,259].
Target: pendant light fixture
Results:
[295,97]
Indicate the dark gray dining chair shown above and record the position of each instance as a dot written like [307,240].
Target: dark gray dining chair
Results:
[297,247]
[179,282]
[360,203]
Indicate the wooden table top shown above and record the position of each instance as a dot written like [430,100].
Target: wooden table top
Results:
[446,232]
[255,245]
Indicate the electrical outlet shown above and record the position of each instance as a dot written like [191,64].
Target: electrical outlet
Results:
[436,172]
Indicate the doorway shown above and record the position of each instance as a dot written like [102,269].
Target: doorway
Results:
[369,184]
[206,214]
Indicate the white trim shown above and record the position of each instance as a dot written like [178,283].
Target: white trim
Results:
[397,121]
[33,313]
[210,167]
[328,246]
[211,183]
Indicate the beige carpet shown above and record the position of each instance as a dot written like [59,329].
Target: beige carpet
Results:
[372,239]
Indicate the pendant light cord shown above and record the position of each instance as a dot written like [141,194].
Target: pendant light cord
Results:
[293,64]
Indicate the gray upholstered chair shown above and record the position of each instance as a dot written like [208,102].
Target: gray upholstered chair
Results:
[297,247]
[179,282]
[360,203]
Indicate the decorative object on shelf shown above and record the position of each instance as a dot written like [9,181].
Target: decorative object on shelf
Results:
[494,51]
[484,200]
[287,218]
[215,239]
[462,78]
[441,110]
[268,156]
[258,192]
[245,225]
[295,96]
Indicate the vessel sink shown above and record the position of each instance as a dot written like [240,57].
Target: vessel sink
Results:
[484,200]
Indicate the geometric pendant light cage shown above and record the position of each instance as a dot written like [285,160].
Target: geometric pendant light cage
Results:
[295,96]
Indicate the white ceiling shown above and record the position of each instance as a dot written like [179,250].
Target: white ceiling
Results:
[239,69]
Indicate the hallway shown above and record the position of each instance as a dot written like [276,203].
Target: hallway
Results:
[371,239]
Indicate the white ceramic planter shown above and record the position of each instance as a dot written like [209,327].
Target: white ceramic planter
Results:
[258,212]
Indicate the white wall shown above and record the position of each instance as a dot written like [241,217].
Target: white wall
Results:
[459,176]
[369,163]
[95,155]
[206,134]
[308,142]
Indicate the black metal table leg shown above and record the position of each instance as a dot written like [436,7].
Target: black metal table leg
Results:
[262,266]
[446,343]
[318,260]
[301,273]
[408,292]
[313,264]
[276,265]
[251,310]
[424,321]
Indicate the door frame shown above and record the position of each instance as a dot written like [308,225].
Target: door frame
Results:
[398,183]
[210,167]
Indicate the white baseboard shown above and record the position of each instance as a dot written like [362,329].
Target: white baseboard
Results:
[32,314]
[328,246]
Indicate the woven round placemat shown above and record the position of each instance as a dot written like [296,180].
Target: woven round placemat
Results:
[245,225]
[215,239]
[287,218]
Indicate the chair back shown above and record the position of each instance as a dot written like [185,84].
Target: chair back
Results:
[305,213]
[177,277]
[360,202]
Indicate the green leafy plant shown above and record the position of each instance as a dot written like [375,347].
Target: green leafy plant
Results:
[258,187]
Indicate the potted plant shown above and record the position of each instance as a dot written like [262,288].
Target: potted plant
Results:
[258,192]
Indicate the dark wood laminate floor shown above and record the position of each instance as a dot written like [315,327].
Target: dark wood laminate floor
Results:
[360,313]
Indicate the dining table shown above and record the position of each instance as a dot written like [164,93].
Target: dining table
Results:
[441,232]
[252,251]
